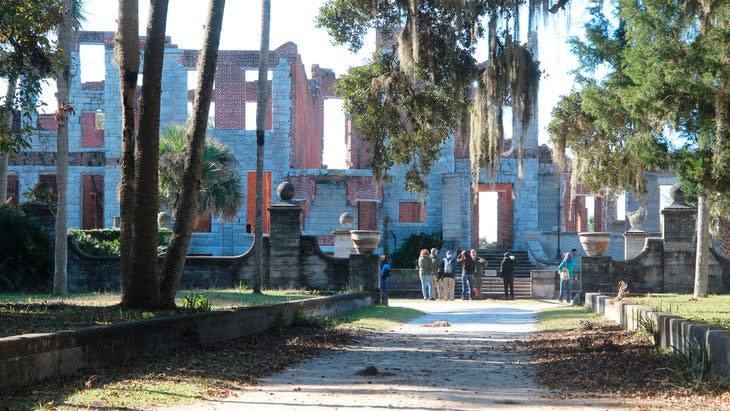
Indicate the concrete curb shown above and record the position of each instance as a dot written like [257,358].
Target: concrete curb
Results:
[670,331]
[29,358]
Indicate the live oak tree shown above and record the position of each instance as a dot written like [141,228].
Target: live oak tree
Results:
[27,57]
[418,90]
[668,64]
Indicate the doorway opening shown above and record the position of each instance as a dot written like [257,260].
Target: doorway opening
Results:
[492,216]
[488,214]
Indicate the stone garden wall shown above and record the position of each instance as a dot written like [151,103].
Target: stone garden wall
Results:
[669,331]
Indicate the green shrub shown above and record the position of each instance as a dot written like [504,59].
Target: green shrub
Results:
[196,303]
[26,253]
[406,255]
[94,246]
[105,241]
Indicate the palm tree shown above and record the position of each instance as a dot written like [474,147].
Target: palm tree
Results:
[220,185]
[72,18]
[261,103]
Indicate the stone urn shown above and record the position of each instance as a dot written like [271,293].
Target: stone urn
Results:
[365,241]
[594,243]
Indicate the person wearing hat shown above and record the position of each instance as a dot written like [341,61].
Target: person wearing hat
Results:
[447,282]
[507,272]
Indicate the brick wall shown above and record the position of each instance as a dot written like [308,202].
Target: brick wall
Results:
[13,192]
[230,96]
[367,215]
[91,136]
[93,201]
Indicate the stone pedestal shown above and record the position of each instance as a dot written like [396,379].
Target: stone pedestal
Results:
[343,243]
[634,243]
[679,229]
[364,273]
[285,239]
[543,284]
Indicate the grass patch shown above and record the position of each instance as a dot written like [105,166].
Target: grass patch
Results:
[38,313]
[565,318]
[143,393]
[714,309]
[376,318]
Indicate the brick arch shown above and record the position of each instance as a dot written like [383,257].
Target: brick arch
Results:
[505,212]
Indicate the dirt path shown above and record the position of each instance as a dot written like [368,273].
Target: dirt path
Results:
[470,364]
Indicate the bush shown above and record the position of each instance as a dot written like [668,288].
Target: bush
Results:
[26,253]
[407,254]
[105,241]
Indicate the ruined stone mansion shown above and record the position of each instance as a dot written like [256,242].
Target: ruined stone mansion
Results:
[532,213]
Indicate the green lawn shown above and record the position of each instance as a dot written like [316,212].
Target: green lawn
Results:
[33,313]
[714,309]
[565,318]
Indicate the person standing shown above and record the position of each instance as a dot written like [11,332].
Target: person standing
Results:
[384,275]
[425,274]
[437,273]
[479,265]
[568,264]
[468,269]
[507,272]
[447,283]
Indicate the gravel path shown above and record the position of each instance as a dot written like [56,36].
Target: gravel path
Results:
[459,356]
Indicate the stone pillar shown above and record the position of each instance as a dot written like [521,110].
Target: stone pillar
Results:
[634,242]
[343,239]
[597,275]
[679,230]
[285,239]
[364,273]
[343,243]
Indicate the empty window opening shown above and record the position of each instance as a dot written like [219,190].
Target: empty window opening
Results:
[192,80]
[621,206]
[590,207]
[334,134]
[253,75]
[250,115]
[48,101]
[92,62]
[665,198]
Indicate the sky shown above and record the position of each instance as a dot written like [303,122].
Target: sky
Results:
[293,20]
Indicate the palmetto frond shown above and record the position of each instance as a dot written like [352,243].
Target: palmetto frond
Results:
[220,186]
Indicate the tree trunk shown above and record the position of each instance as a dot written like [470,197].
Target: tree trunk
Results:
[144,282]
[9,101]
[702,261]
[261,104]
[186,211]
[127,59]
[63,79]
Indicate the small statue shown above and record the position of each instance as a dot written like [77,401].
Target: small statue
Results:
[637,218]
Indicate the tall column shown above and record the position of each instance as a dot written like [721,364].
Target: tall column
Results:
[679,229]
[285,239]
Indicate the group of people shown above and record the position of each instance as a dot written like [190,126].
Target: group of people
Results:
[437,275]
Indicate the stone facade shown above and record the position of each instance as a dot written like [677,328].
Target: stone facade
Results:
[526,211]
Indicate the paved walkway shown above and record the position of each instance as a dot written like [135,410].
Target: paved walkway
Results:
[470,365]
